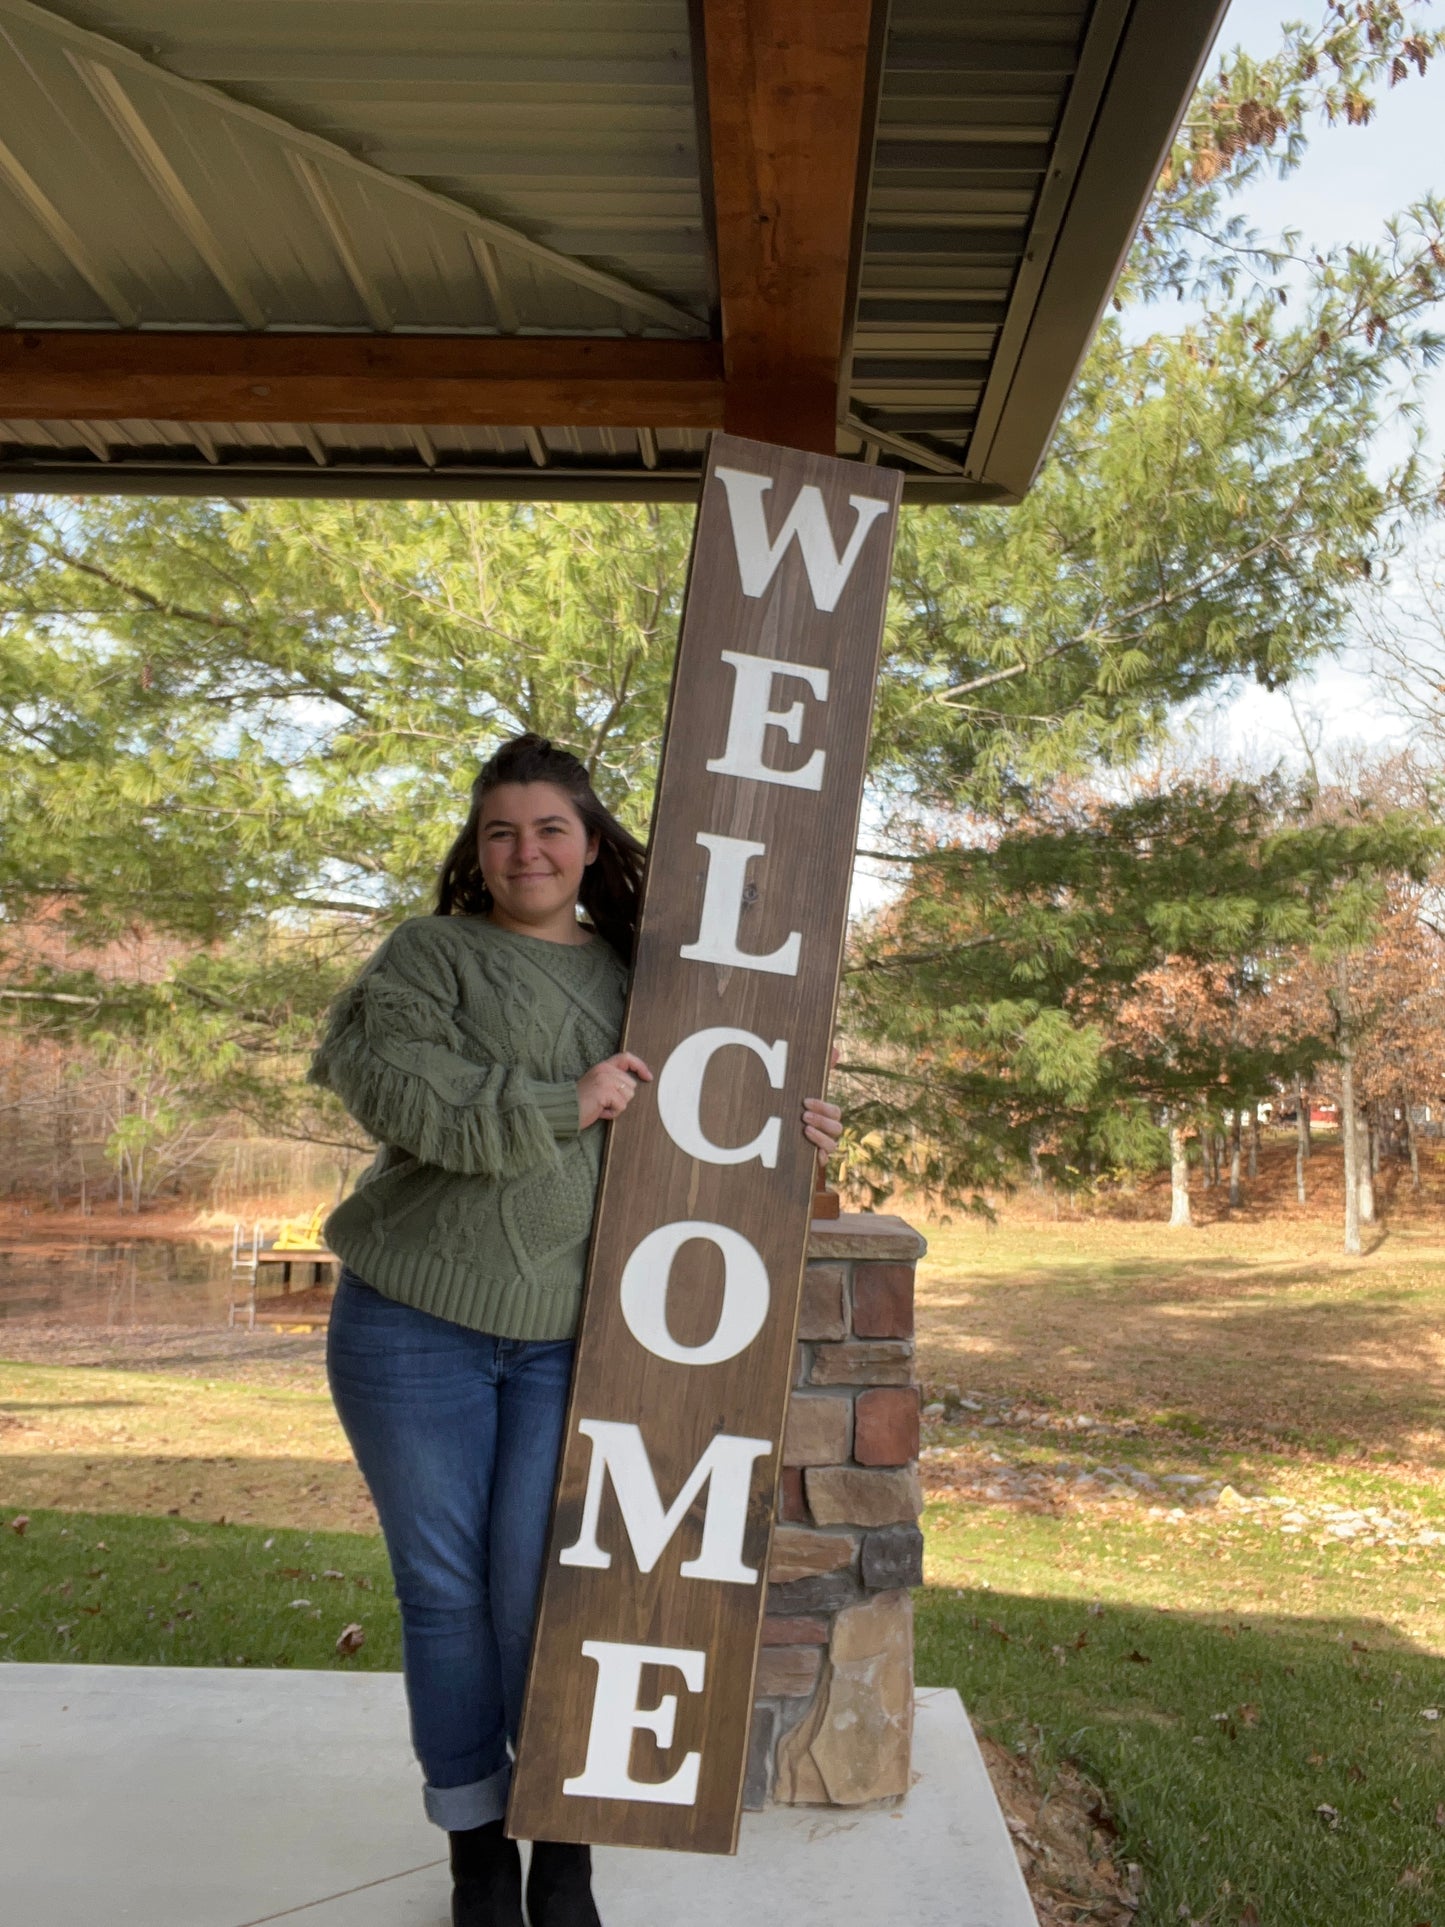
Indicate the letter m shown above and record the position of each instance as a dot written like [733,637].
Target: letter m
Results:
[727,1464]
[807,519]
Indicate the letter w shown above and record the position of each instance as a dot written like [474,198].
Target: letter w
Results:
[727,1462]
[807,519]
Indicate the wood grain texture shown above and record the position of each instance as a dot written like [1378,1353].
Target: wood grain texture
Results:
[462,380]
[800,885]
[791,105]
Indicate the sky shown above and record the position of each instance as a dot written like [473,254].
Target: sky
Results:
[1352,180]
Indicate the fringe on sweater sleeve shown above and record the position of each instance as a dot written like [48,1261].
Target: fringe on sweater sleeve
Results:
[392,1054]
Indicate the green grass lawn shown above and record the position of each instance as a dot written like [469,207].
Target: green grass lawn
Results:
[1261,1769]
[1250,1701]
[116,1589]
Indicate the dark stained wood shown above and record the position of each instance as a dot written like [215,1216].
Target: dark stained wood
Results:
[799,884]
[530,381]
[791,98]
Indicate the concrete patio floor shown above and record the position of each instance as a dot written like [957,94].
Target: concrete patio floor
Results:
[182,1797]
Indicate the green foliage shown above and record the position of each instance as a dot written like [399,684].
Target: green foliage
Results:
[1254,116]
[1212,503]
[993,1009]
[215,712]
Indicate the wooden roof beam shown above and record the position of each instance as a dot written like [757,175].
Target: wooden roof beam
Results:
[791,100]
[541,381]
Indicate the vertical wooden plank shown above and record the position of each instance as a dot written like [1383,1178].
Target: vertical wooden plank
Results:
[792,95]
[664,1502]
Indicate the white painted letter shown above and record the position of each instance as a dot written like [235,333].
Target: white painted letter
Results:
[642,1292]
[758,558]
[679,1095]
[727,1464]
[750,720]
[728,858]
[616,1716]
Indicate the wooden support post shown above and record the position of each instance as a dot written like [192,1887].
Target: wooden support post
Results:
[638,1707]
[791,108]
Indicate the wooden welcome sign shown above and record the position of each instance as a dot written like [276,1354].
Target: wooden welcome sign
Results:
[639,1700]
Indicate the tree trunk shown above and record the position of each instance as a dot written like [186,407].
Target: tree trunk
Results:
[1365,1141]
[1178,1177]
[1301,1140]
[1036,1169]
[1254,1140]
[1373,1124]
[1346,1048]
[1236,1148]
[1413,1147]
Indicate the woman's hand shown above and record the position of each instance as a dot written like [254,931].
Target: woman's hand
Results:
[608,1088]
[823,1126]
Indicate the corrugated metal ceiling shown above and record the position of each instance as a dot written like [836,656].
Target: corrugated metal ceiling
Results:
[518,165]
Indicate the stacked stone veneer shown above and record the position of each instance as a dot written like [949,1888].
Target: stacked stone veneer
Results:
[833,1712]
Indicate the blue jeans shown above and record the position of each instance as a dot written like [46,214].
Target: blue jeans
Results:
[457,1433]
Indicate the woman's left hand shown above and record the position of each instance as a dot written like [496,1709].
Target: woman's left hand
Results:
[822,1125]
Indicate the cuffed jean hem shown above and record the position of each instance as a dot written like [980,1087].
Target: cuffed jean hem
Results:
[459,1808]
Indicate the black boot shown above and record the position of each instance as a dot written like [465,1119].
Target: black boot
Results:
[486,1878]
[559,1886]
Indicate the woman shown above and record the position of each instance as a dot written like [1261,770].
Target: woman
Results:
[479,1046]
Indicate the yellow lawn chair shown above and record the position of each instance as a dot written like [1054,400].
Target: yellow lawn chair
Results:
[301,1234]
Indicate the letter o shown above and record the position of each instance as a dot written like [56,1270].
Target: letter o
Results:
[648,1272]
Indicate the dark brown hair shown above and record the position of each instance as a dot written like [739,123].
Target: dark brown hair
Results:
[611,884]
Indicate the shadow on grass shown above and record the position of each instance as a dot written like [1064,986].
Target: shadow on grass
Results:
[1240,1353]
[1256,1761]
[237,1488]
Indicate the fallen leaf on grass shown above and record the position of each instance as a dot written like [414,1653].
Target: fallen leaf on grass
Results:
[351,1640]
[1248,1714]
[19,1523]
[1331,1817]
[1137,1658]
[1356,1774]
[1440,1816]
[1250,1916]
[1429,1712]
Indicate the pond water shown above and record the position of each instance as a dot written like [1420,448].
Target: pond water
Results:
[143,1281]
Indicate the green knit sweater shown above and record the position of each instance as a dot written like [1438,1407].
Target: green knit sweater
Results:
[459,1047]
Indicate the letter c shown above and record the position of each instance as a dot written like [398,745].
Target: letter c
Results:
[679,1095]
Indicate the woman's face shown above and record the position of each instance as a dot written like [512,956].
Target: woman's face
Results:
[533,848]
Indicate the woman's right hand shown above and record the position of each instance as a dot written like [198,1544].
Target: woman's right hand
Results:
[607,1089]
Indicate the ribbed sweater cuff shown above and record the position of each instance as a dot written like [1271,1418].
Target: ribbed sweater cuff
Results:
[558,1105]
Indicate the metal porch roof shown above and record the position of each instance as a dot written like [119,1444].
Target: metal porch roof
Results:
[526,167]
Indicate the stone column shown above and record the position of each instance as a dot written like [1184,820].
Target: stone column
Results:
[833,1712]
